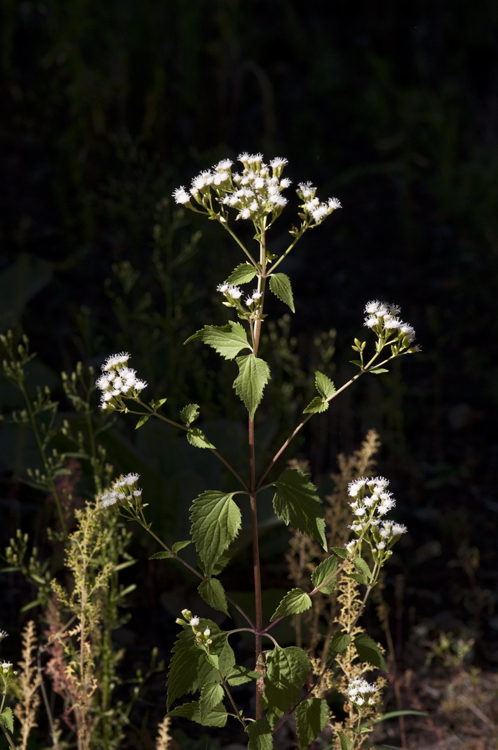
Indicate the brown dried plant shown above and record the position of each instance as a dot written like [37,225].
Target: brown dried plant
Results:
[29,680]
[163,741]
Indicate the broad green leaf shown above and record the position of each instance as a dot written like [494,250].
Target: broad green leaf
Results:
[162,555]
[296,502]
[369,651]
[221,562]
[241,675]
[260,736]
[323,571]
[180,545]
[281,287]
[213,594]
[346,744]
[324,385]
[7,718]
[217,717]
[254,374]
[358,577]
[142,421]
[311,717]
[316,406]
[189,413]
[378,370]
[189,668]
[197,438]
[273,714]
[362,566]
[339,643]
[211,696]
[287,669]
[216,520]
[341,552]
[294,602]
[227,340]
[243,274]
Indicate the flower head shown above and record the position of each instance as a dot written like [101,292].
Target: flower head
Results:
[181,196]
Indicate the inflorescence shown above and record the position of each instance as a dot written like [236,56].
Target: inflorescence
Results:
[383,319]
[118,381]
[360,693]
[123,491]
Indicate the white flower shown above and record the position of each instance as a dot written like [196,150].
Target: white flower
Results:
[355,486]
[224,164]
[108,498]
[223,287]
[181,196]
[137,493]
[130,479]
[320,213]
[381,545]
[392,323]
[350,546]
[245,214]
[140,385]
[207,632]
[114,360]
[6,665]
[285,183]
[408,331]
[334,203]
[194,621]
[243,157]
[360,511]
[277,162]
[372,307]
[398,528]
[235,292]
[306,189]
[3,634]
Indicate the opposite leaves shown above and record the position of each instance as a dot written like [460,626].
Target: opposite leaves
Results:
[216,520]
[243,274]
[296,502]
[293,603]
[227,340]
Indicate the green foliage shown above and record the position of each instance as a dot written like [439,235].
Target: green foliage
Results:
[294,601]
[260,735]
[7,718]
[227,340]
[216,520]
[297,503]
[311,717]
[254,374]
[322,572]
[211,697]
[346,743]
[316,406]
[197,438]
[215,717]
[287,669]
[324,385]
[189,413]
[213,594]
[339,643]
[243,274]
[281,287]
[369,651]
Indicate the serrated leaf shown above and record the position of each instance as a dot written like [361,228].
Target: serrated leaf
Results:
[369,651]
[243,274]
[211,696]
[339,643]
[217,717]
[142,421]
[163,555]
[287,669]
[260,736]
[362,567]
[7,718]
[213,594]
[254,374]
[341,552]
[297,504]
[311,717]
[189,413]
[359,578]
[294,602]
[316,406]
[281,287]
[189,667]
[216,520]
[323,571]
[241,675]
[221,561]
[324,385]
[227,340]
[346,744]
[197,438]
[378,370]
[180,545]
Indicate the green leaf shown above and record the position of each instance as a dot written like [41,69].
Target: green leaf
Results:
[353,362]
[260,736]
[358,578]
[287,669]
[216,717]
[369,651]
[227,340]
[395,714]
[362,566]
[241,675]
[7,718]
[157,404]
[316,406]
[339,643]
[323,571]
[294,602]
[311,717]
[211,696]
[189,667]
[163,555]
[180,545]
[35,603]
[346,744]
[142,421]
[189,413]
[254,374]
[324,385]
[296,502]
[281,287]
[378,370]
[221,561]
[341,552]
[197,438]
[216,520]
[213,594]
[243,274]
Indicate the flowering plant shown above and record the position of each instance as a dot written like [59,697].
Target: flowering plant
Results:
[286,687]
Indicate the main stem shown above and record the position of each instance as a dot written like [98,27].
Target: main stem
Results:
[260,685]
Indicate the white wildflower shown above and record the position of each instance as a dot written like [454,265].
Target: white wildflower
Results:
[224,164]
[235,292]
[181,196]
[278,162]
[114,360]
[334,203]
[195,621]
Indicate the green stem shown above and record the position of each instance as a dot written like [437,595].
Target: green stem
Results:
[225,226]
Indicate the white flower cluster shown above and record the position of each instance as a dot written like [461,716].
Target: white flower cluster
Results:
[194,622]
[123,489]
[6,666]
[371,500]
[360,693]
[313,206]
[383,317]
[3,634]
[230,292]
[118,380]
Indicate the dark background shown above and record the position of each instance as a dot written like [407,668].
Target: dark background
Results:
[393,108]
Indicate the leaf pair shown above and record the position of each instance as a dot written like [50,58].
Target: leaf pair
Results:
[326,389]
